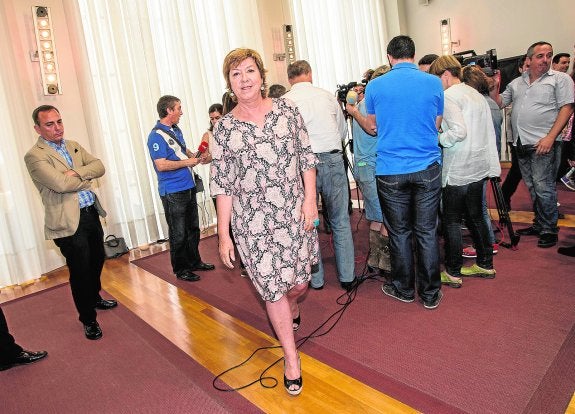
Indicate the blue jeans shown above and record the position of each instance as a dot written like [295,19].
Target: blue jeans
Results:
[181,211]
[461,201]
[539,173]
[365,176]
[410,204]
[331,182]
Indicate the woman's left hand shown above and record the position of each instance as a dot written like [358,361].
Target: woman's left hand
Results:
[309,214]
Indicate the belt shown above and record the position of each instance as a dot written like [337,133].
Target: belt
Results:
[335,151]
[88,209]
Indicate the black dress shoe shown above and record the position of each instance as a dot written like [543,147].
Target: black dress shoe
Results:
[188,276]
[92,330]
[24,358]
[547,240]
[204,266]
[528,231]
[567,251]
[104,304]
[348,286]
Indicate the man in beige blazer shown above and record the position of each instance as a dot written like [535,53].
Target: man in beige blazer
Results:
[63,172]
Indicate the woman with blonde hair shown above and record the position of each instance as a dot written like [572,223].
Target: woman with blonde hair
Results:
[263,175]
[469,158]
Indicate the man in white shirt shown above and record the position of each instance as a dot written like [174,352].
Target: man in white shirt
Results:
[327,127]
[542,104]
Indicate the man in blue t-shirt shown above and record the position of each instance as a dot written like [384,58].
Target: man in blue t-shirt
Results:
[405,109]
[173,163]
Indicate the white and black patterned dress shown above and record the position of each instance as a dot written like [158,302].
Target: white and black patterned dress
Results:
[261,169]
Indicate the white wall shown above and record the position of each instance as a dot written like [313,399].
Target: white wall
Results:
[273,15]
[509,26]
[19,14]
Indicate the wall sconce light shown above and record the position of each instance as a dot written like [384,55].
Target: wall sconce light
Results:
[289,44]
[46,50]
[446,42]
[445,31]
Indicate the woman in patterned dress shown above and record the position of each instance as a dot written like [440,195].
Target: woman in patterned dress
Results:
[263,175]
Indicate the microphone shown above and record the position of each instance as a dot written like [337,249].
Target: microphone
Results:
[201,149]
[351,97]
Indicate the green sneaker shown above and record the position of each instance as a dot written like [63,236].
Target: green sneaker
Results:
[451,281]
[477,271]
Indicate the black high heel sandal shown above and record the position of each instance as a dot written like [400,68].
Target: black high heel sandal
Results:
[298,381]
[296,323]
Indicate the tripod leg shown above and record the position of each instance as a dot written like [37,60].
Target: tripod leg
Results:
[503,211]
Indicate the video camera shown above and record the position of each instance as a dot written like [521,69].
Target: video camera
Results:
[487,62]
[342,90]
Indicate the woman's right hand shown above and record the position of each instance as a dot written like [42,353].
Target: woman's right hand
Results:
[227,252]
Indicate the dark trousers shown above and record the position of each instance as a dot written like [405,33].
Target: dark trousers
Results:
[410,203]
[512,179]
[181,211]
[465,201]
[9,349]
[84,253]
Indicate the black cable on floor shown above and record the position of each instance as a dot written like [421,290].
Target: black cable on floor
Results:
[344,300]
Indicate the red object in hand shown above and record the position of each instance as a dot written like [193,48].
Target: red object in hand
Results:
[201,149]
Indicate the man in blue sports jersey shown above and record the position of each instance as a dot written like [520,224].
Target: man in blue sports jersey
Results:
[405,109]
[173,163]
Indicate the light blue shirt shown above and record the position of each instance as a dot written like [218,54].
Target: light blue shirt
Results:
[85,197]
[364,145]
[536,105]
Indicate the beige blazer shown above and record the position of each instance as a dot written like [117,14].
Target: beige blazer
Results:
[59,192]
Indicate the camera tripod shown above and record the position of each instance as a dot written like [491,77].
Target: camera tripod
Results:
[503,211]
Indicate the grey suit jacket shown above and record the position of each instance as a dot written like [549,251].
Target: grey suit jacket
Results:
[59,192]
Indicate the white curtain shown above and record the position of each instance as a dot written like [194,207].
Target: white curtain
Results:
[127,53]
[340,39]
[135,52]
[23,250]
